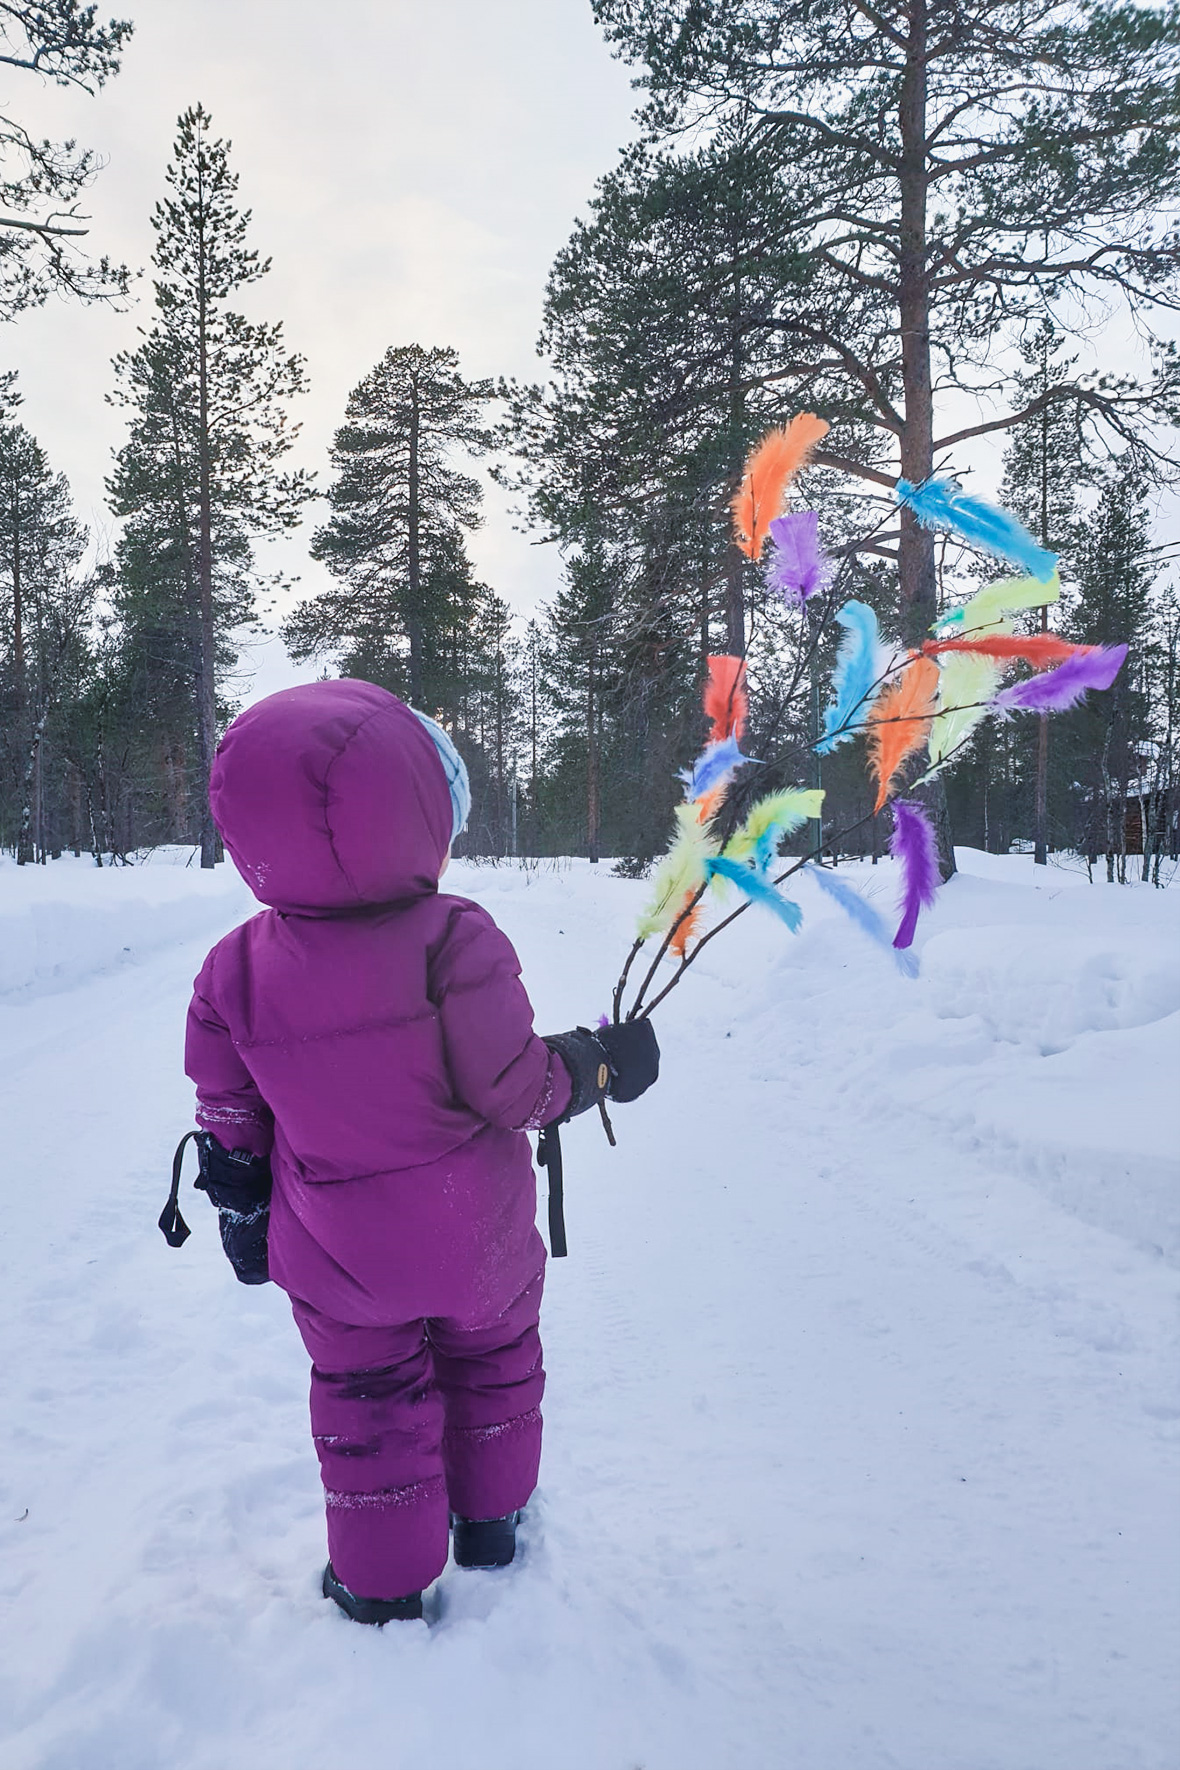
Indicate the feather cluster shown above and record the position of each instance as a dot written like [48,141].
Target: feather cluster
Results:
[943,504]
[1056,690]
[683,870]
[933,696]
[680,874]
[899,722]
[915,849]
[863,664]
[797,567]
[770,468]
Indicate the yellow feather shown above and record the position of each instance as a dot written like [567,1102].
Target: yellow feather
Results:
[988,605]
[786,811]
[964,678]
[679,874]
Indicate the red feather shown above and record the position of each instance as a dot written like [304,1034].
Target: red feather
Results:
[726,701]
[770,468]
[1038,649]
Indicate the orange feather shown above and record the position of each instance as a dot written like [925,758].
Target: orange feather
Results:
[726,701]
[770,468]
[710,803]
[900,720]
[686,928]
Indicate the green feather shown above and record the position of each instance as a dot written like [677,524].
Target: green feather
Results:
[985,610]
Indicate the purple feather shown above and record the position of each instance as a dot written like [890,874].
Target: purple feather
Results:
[915,847]
[1054,690]
[798,566]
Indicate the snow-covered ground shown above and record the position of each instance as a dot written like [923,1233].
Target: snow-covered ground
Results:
[863,1406]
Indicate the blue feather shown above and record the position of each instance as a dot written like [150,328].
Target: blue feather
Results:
[864,915]
[714,765]
[757,889]
[766,848]
[856,678]
[942,504]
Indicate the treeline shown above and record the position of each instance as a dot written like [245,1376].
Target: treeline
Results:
[855,215]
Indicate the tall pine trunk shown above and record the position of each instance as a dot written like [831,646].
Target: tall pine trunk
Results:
[207,685]
[24,846]
[735,598]
[1041,791]
[917,572]
[593,778]
[414,549]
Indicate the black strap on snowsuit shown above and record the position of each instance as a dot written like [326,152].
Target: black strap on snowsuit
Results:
[549,1157]
[175,1230]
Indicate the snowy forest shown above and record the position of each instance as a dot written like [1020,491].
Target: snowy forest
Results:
[508,521]
[744,259]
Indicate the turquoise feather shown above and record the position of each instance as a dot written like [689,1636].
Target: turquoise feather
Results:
[943,504]
[758,890]
[856,680]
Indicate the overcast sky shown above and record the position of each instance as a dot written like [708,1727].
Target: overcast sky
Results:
[413,166]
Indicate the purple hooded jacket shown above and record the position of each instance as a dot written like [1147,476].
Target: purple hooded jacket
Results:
[369,1033]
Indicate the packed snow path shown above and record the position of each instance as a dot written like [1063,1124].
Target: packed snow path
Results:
[862,1403]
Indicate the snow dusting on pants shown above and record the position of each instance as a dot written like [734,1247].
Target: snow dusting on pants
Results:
[416,1419]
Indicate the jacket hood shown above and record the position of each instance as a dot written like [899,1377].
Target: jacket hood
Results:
[330,797]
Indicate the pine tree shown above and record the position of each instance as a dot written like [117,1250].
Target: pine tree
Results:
[961,166]
[42,182]
[1044,469]
[662,324]
[46,605]
[582,637]
[1106,740]
[399,510]
[486,694]
[199,476]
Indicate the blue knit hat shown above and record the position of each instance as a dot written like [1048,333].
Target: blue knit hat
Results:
[455,770]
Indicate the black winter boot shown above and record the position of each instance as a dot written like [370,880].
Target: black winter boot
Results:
[485,1542]
[371,1610]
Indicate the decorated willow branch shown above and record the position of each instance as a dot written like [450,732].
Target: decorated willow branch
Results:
[906,702]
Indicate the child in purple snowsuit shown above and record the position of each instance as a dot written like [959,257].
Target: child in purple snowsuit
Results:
[371,1038]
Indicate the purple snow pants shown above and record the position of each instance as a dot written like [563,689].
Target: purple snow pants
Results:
[413,1420]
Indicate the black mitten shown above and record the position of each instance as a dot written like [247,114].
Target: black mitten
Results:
[612,1062]
[239,1185]
[633,1055]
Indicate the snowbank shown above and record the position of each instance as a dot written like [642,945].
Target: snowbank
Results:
[862,1415]
[70,920]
